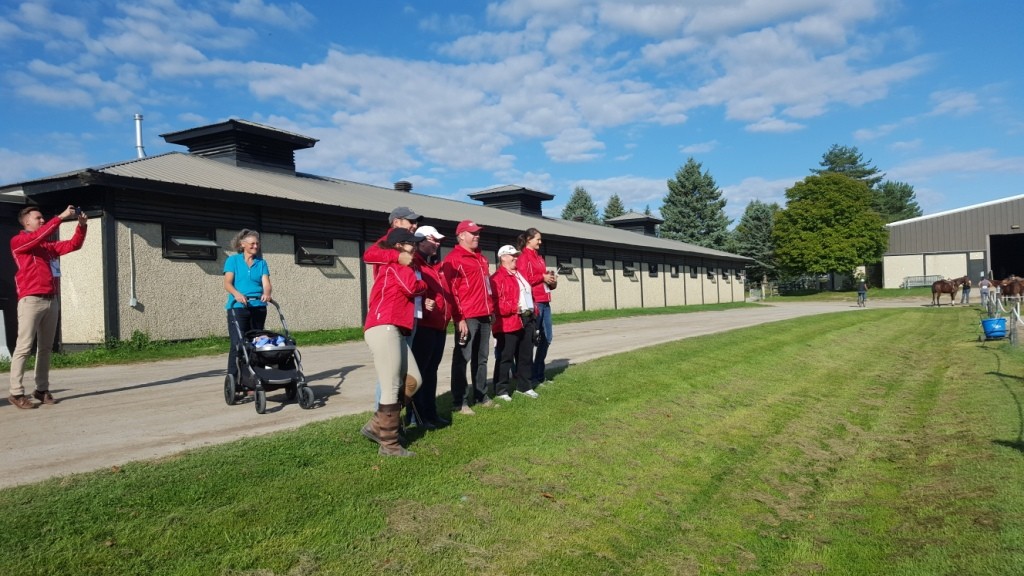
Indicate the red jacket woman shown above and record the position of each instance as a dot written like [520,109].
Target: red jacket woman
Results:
[389,320]
[441,314]
[514,325]
[532,266]
[507,286]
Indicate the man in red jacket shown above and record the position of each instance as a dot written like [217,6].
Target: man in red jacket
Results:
[38,283]
[467,273]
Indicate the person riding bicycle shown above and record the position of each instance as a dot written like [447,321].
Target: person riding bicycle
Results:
[862,293]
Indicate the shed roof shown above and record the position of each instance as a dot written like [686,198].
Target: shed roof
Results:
[203,174]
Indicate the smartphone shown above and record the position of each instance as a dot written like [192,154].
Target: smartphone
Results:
[78,211]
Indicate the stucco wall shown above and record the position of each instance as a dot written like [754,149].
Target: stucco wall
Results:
[600,289]
[627,289]
[568,296]
[654,288]
[675,288]
[81,287]
[897,268]
[710,286]
[946,265]
[180,299]
[175,299]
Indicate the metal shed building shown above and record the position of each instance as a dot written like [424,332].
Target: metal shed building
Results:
[983,238]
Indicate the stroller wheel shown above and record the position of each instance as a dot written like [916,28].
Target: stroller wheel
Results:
[261,401]
[229,389]
[306,398]
[289,392]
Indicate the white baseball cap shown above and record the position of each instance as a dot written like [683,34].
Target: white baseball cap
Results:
[507,250]
[429,232]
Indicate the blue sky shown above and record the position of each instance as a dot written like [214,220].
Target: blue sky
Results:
[611,95]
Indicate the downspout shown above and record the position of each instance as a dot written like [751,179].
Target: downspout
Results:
[111,316]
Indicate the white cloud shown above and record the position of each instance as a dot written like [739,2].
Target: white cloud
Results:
[699,148]
[662,52]
[636,192]
[292,16]
[770,124]
[906,145]
[954,103]
[16,166]
[961,163]
[653,20]
[568,39]
[738,196]
[574,145]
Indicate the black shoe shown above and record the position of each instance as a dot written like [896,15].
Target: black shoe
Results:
[441,422]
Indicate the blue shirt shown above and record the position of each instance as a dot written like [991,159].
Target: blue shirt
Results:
[248,279]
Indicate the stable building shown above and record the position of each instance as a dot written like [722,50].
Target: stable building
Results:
[160,228]
[981,239]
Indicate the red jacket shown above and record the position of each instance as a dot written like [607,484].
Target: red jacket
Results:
[439,317]
[32,254]
[377,256]
[532,266]
[506,287]
[467,274]
[392,297]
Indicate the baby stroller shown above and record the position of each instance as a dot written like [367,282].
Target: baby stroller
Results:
[267,361]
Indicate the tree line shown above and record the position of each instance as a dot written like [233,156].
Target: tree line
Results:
[833,221]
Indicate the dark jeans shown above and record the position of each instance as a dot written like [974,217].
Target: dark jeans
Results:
[252,318]
[474,354]
[428,349]
[540,354]
[516,356]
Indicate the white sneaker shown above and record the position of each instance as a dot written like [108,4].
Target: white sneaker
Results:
[531,394]
[504,397]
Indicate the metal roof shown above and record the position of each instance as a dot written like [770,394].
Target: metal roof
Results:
[184,169]
[954,211]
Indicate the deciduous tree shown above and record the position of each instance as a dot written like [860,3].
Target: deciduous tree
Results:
[829,224]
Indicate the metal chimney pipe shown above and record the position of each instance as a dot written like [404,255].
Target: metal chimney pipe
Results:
[138,137]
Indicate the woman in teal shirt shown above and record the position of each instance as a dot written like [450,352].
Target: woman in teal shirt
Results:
[247,281]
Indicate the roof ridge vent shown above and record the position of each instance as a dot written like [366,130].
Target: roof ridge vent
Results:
[244,144]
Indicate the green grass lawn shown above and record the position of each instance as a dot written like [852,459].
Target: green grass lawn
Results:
[139,347]
[882,441]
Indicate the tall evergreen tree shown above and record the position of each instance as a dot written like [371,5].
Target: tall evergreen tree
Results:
[753,238]
[581,206]
[694,210]
[848,161]
[614,208]
[896,201]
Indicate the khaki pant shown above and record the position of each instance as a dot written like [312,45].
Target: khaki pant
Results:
[391,359]
[37,322]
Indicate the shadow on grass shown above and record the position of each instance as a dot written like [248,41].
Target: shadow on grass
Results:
[1018,443]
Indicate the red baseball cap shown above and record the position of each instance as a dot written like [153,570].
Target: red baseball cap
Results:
[467,226]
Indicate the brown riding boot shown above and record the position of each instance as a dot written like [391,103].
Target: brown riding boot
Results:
[372,428]
[390,416]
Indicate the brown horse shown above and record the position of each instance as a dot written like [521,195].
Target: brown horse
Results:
[1012,287]
[940,287]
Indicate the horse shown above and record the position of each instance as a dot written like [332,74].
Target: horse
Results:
[940,287]
[1011,287]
